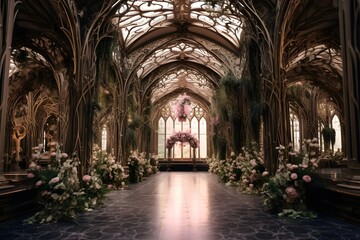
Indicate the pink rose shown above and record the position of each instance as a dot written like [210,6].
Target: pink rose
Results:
[306,178]
[294,176]
[251,185]
[54,180]
[39,183]
[291,194]
[30,175]
[86,178]
[265,173]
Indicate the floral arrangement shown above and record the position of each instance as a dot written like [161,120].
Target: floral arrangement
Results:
[228,170]
[253,172]
[182,137]
[245,170]
[111,173]
[154,162]
[93,191]
[182,107]
[285,193]
[136,164]
[60,193]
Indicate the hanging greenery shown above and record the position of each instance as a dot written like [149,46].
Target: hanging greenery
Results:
[329,135]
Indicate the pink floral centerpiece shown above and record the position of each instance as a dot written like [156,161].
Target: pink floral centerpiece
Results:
[182,137]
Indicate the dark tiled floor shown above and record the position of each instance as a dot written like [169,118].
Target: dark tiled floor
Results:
[183,206]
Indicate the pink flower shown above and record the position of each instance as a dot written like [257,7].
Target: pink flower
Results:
[305,165]
[265,173]
[245,180]
[294,176]
[54,180]
[86,178]
[251,185]
[306,178]
[30,175]
[39,183]
[253,162]
[291,194]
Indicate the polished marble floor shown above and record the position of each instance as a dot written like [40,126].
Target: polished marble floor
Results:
[183,206]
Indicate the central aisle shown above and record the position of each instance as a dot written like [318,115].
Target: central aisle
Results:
[182,206]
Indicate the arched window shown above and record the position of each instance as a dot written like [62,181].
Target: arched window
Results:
[103,139]
[320,137]
[295,131]
[196,124]
[336,125]
[202,138]
[161,138]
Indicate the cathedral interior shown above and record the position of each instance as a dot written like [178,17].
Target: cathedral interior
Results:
[117,76]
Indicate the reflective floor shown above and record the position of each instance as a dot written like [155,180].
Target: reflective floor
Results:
[183,206]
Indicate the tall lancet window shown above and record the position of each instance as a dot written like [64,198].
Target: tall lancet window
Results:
[103,139]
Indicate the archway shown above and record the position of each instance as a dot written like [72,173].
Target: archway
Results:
[183,138]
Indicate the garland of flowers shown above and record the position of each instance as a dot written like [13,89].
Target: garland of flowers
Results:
[182,137]
[182,107]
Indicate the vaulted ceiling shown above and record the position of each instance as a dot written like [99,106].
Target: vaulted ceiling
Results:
[198,46]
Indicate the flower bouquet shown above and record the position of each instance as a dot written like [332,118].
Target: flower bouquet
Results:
[110,172]
[285,194]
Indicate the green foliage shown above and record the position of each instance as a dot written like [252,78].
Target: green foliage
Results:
[329,136]
[221,146]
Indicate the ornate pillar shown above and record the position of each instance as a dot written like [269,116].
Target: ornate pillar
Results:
[7,10]
[349,18]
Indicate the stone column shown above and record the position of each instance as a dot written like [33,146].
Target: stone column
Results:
[349,12]
[7,8]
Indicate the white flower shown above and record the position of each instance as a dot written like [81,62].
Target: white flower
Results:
[32,165]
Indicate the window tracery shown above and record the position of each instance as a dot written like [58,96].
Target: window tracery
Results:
[168,125]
